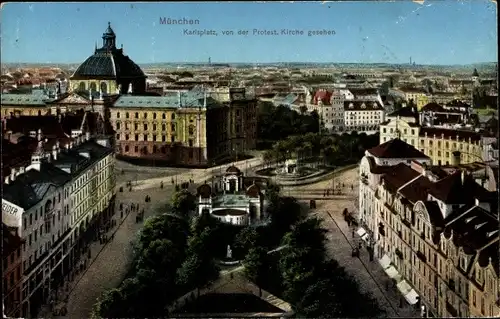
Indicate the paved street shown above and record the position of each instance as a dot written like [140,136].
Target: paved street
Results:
[110,262]
[369,274]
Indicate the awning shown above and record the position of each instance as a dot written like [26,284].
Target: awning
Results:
[412,297]
[404,287]
[361,231]
[393,273]
[385,262]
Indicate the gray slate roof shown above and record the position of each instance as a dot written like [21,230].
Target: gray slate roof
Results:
[30,188]
[24,99]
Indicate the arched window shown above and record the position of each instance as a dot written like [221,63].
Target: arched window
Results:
[93,87]
[81,86]
[173,116]
[191,129]
[104,88]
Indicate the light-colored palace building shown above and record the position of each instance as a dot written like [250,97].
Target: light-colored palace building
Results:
[433,229]
[194,128]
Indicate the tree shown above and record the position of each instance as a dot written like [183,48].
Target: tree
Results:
[246,239]
[108,305]
[183,203]
[197,272]
[303,109]
[163,227]
[160,255]
[255,264]
[308,234]
[285,213]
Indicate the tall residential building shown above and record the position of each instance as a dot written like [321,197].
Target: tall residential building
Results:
[12,269]
[433,229]
[439,143]
[362,115]
[56,203]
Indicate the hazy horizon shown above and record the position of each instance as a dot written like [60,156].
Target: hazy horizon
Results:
[443,32]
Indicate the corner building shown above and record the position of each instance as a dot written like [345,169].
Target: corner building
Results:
[434,230]
[57,203]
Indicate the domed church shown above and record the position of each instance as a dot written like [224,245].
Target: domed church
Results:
[108,71]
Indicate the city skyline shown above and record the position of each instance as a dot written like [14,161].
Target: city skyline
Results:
[364,32]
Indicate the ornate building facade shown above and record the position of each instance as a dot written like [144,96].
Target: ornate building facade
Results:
[56,203]
[232,198]
[434,230]
[194,128]
[108,71]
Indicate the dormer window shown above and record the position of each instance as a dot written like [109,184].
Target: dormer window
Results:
[463,262]
[492,233]
[480,225]
[479,275]
[351,105]
[468,220]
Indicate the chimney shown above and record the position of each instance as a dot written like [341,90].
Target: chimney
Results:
[39,135]
[54,152]
[455,160]
[179,97]
[12,174]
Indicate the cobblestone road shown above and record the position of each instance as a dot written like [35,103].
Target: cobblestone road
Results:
[369,274]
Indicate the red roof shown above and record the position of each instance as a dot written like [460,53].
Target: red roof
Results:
[322,95]
[396,148]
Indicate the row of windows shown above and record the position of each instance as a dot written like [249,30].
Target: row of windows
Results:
[155,150]
[145,126]
[145,115]
[392,130]
[145,137]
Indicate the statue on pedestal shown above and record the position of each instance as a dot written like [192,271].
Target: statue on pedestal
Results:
[119,89]
[229,254]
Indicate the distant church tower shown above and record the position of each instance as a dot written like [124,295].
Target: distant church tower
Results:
[209,60]
[475,77]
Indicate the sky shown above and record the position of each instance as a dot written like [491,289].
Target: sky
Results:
[437,32]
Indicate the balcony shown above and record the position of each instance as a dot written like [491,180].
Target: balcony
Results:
[390,208]
[399,253]
[406,222]
[381,229]
[48,215]
[451,284]
[421,256]
[364,179]
[451,310]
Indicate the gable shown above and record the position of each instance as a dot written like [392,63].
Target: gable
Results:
[73,98]
[420,209]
